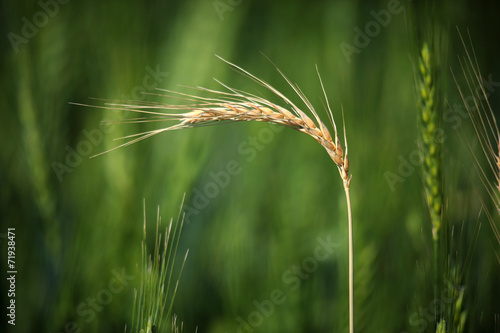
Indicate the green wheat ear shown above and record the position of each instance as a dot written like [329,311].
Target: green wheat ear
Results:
[153,302]
[460,315]
[457,316]
[430,139]
[431,135]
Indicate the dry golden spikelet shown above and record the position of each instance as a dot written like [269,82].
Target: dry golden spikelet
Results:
[236,105]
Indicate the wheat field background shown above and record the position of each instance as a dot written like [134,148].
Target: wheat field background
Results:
[265,208]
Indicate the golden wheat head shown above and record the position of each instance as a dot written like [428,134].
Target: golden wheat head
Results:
[234,105]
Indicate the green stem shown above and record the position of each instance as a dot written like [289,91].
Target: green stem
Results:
[436,274]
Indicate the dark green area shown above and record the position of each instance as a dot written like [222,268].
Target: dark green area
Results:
[254,236]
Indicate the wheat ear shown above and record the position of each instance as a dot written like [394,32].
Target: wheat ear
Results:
[153,303]
[431,146]
[234,106]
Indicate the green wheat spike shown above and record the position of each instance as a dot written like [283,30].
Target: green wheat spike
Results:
[430,147]
[430,139]
[154,300]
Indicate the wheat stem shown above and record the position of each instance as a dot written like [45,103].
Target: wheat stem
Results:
[351,259]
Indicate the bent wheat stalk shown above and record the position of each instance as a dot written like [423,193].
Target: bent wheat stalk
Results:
[235,105]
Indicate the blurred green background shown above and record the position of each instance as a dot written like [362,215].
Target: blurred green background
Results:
[79,221]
